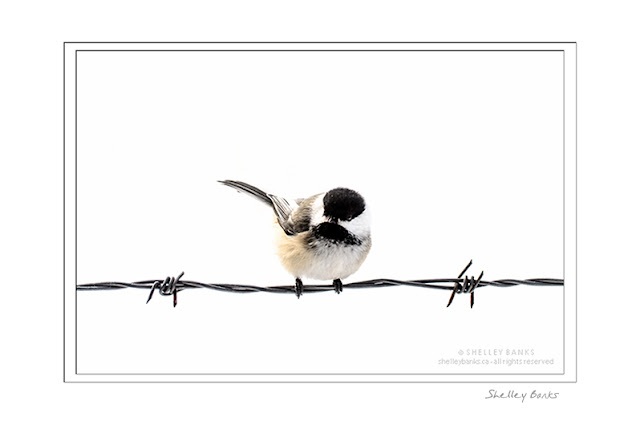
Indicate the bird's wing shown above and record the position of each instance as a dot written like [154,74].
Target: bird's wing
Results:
[283,210]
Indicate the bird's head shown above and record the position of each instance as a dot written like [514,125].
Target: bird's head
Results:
[342,204]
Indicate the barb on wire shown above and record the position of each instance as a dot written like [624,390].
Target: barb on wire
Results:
[171,286]
[168,287]
[468,285]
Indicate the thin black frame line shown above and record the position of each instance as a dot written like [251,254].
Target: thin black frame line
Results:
[314,51]
[564,215]
[64,218]
[490,374]
[76,208]
[317,42]
[339,373]
[564,319]
[321,374]
[307,381]
[576,233]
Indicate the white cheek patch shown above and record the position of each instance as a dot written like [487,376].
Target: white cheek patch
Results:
[360,225]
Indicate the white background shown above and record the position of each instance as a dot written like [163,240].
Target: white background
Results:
[34,394]
[459,155]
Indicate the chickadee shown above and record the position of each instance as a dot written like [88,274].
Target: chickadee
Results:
[324,237]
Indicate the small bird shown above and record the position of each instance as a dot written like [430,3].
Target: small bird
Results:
[325,237]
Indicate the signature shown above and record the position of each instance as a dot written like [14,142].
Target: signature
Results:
[515,395]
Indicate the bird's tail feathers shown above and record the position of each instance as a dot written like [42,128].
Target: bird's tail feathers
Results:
[248,189]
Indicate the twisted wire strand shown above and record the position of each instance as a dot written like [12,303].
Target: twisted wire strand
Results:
[171,286]
[369,284]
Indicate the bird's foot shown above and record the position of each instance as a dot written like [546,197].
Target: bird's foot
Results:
[337,286]
[298,287]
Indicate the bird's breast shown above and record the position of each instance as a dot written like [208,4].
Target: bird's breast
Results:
[324,253]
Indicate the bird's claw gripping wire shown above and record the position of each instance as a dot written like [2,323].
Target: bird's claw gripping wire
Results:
[166,288]
[337,286]
[299,288]
[468,285]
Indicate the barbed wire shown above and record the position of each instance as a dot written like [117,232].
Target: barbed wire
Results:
[170,286]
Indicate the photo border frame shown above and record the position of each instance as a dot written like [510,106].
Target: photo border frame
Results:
[569,50]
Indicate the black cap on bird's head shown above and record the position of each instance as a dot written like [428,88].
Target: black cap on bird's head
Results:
[343,204]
